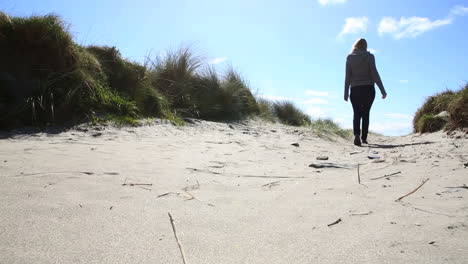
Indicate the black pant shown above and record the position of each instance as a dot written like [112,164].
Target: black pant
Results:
[362,98]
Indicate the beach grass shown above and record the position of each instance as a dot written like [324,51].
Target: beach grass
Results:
[46,78]
[455,103]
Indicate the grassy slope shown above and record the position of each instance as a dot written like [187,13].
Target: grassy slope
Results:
[46,78]
[454,102]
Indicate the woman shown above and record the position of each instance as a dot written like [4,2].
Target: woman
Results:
[361,74]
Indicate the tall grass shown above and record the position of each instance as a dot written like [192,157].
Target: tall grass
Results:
[326,127]
[265,109]
[47,78]
[197,91]
[289,114]
[454,102]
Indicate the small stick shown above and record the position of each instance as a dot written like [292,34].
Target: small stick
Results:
[459,187]
[432,212]
[164,194]
[137,184]
[413,191]
[359,176]
[271,184]
[192,197]
[53,172]
[368,213]
[388,175]
[177,239]
[336,222]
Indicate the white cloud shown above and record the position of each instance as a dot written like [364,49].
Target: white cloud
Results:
[409,27]
[392,128]
[218,60]
[354,25]
[373,51]
[398,116]
[316,93]
[315,112]
[403,81]
[277,98]
[459,11]
[315,101]
[331,2]
[414,26]
[344,122]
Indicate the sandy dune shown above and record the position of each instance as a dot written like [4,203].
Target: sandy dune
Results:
[239,194]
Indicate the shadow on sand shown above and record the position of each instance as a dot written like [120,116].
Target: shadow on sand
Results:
[26,132]
[399,145]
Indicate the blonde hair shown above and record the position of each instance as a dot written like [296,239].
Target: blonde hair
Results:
[360,44]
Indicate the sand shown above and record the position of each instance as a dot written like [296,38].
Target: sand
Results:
[239,193]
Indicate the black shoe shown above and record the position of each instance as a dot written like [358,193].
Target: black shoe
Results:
[364,141]
[357,141]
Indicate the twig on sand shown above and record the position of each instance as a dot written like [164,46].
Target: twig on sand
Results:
[422,210]
[271,184]
[368,213]
[458,187]
[54,172]
[191,196]
[164,194]
[358,176]
[137,184]
[387,176]
[413,191]
[177,239]
[336,222]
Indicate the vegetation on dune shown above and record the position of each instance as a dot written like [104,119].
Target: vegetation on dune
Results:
[265,109]
[458,109]
[46,78]
[455,103]
[289,114]
[327,126]
[201,93]
[430,123]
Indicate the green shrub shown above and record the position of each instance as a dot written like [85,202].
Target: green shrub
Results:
[430,123]
[202,94]
[265,109]
[289,114]
[455,103]
[433,106]
[38,56]
[237,99]
[327,128]
[45,77]
[458,110]
[130,80]
[173,75]
[206,95]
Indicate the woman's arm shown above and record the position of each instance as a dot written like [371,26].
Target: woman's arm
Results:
[375,75]
[347,81]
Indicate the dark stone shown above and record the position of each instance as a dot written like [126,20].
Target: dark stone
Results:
[322,158]
[295,144]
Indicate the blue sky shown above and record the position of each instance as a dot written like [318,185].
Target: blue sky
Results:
[290,49]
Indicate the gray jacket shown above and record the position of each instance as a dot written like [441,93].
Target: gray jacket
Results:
[361,70]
